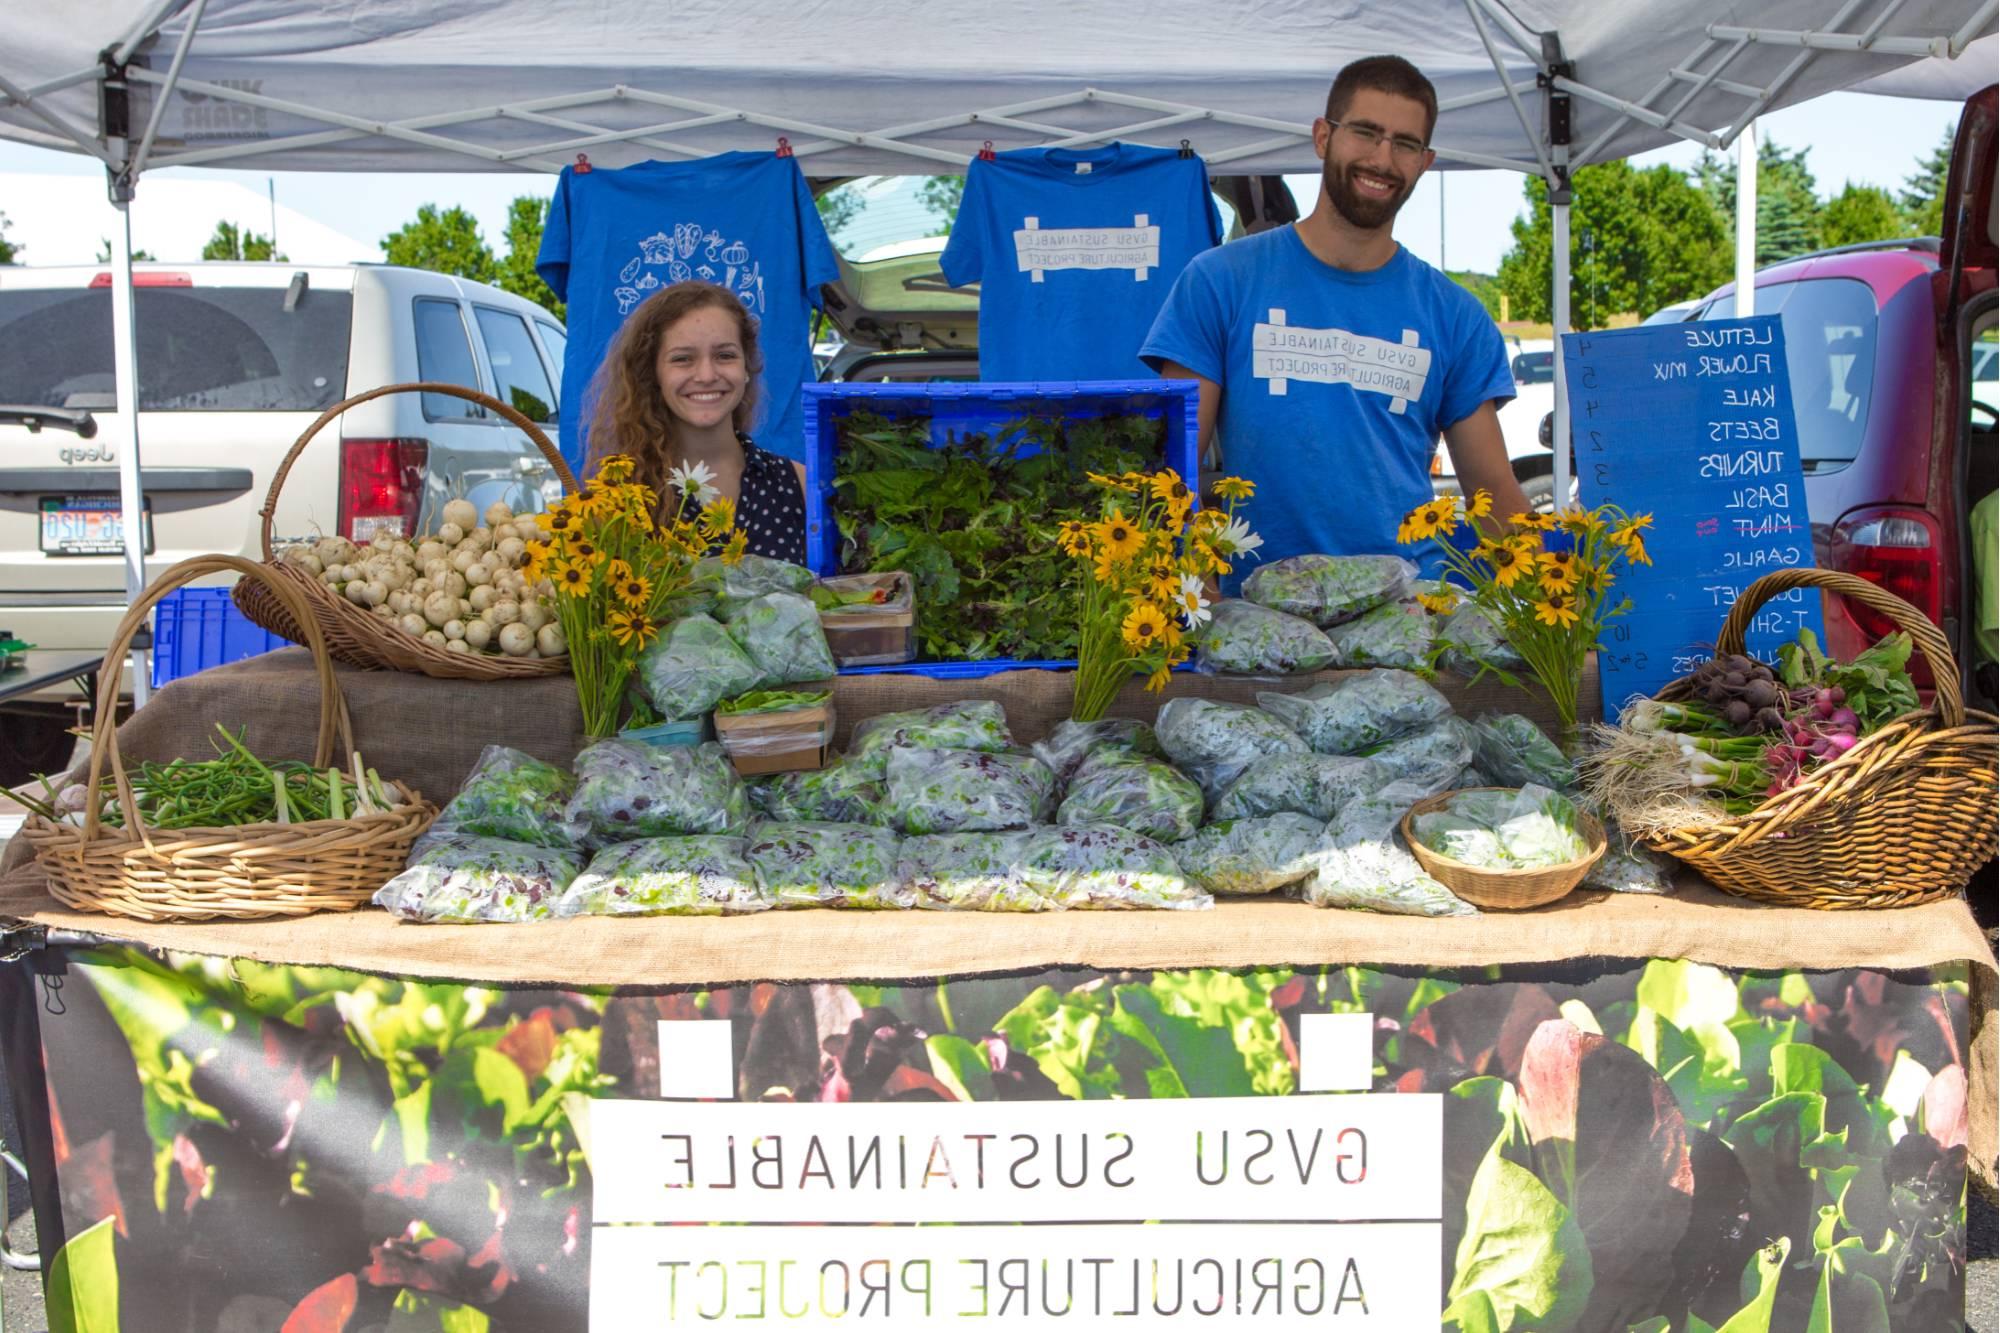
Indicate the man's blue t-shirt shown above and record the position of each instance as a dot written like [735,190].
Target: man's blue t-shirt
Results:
[745,221]
[1335,385]
[1074,251]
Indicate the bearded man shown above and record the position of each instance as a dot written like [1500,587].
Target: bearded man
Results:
[1330,358]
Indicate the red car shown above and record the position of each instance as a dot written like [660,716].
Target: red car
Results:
[1883,340]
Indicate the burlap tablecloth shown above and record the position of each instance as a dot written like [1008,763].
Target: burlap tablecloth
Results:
[429,732]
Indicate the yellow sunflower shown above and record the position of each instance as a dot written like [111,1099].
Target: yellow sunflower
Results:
[560,519]
[1110,483]
[1481,506]
[1163,581]
[1579,520]
[1233,488]
[534,562]
[1422,523]
[1145,628]
[1558,608]
[1630,528]
[1559,570]
[570,577]
[733,549]
[1120,537]
[1073,537]
[1533,522]
[1509,562]
[630,627]
[1442,602]
[617,468]
[635,590]
[1170,490]
[1635,550]
[1158,680]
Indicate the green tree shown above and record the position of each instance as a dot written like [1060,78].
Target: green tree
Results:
[443,241]
[1482,285]
[104,252]
[1654,241]
[8,250]
[1861,213]
[516,273]
[837,206]
[942,196]
[1788,211]
[229,242]
[1923,190]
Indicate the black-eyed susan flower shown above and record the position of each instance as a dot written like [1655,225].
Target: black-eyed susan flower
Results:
[1233,488]
[1481,506]
[1508,561]
[570,577]
[1558,608]
[1145,628]
[1559,570]
[1119,537]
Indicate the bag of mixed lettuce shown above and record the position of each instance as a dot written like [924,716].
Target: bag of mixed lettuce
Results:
[1626,867]
[1071,742]
[968,791]
[1306,784]
[780,633]
[1214,742]
[1397,634]
[1529,829]
[1431,758]
[1329,589]
[1363,862]
[458,877]
[627,790]
[1252,855]
[1359,712]
[1097,868]
[819,864]
[699,876]
[1517,753]
[840,793]
[1149,797]
[1246,639]
[1469,639]
[971,725]
[734,587]
[969,872]
[513,796]
[695,663]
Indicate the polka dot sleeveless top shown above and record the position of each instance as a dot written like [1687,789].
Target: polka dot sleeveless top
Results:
[771,506]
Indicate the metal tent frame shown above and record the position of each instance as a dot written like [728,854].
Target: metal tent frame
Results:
[1526,64]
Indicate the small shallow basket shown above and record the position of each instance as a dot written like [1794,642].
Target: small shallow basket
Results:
[246,870]
[1504,890]
[352,634]
[1904,817]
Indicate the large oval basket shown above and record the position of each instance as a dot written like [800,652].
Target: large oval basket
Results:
[1904,817]
[352,634]
[247,870]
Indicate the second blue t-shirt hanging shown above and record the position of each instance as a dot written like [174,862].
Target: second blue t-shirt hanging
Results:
[1074,251]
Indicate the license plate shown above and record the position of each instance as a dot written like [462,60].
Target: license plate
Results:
[87,525]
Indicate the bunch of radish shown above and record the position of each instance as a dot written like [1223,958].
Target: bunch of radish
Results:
[1819,734]
[461,588]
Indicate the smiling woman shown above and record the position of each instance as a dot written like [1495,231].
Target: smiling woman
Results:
[678,392]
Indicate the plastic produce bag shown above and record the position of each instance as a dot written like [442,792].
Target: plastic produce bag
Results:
[1395,635]
[1246,639]
[821,864]
[513,796]
[780,633]
[1504,830]
[458,877]
[1364,863]
[1307,784]
[1149,797]
[954,791]
[1626,867]
[1540,830]
[1517,753]
[971,725]
[1098,868]
[1462,839]
[1071,742]
[1431,758]
[840,793]
[1214,742]
[733,587]
[694,664]
[626,790]
[1471,639]
[1360,712]
[699,876]
[969,872]
[1252,855]
[1329,589]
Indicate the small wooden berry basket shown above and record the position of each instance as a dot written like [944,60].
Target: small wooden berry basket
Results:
[1503,890]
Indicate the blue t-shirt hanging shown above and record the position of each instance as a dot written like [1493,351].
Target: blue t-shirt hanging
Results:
[1073,251]
[746,221]
[1335,385]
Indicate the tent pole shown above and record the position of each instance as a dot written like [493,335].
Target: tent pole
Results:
[125,378]
[1556,116]
[1746,222]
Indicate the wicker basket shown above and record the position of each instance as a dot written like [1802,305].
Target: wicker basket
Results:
[352,634]
[1504,890]
[249,870]
[1904,817]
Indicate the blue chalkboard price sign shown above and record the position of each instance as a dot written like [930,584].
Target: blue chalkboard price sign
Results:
[1693,424]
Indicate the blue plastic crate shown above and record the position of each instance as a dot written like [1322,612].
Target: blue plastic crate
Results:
[197,628]
[978,408]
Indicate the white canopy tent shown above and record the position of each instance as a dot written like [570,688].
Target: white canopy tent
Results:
[869,87]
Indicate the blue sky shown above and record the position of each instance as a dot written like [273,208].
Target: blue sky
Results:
[334,218]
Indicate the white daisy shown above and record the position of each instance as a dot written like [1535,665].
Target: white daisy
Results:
[694,479]
[1237,539]
[1194,602]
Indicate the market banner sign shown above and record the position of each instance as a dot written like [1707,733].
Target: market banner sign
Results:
[1661,1145]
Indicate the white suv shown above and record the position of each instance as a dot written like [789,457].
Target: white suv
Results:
[235,361]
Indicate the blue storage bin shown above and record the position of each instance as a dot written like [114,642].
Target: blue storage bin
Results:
[956,408]
[688,731]
[197,628]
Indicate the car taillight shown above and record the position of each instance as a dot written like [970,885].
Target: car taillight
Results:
[147,280]
[1900,551]
[381,487]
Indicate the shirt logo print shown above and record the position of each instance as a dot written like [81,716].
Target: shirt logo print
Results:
[1039,251]
[687,252]
[1281,352]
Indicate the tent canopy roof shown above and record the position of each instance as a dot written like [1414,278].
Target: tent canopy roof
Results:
[874,87]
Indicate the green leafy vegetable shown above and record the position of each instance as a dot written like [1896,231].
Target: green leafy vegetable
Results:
[772,701]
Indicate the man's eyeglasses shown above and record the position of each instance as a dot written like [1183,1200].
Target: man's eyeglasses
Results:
[1402,147]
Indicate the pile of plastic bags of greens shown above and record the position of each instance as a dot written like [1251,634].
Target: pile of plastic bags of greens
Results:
[1330,589]
[1307,612]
